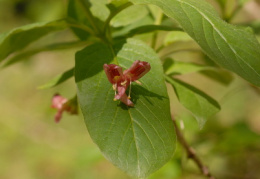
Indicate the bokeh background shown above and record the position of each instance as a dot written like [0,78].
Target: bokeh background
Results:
[33,146]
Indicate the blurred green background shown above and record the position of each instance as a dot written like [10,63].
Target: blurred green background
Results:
[33,146]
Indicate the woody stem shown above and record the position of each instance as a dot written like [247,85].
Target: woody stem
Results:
[191,152]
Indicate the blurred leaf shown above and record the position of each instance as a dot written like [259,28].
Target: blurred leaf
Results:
[255,26]
[58,46]
[20,37]
[218,39]
[242,2]
[138,140]
[180,68]
[172,67]
[123,31]
[99,9]
[176,36]
[222,76]
[197,102]
[150,28]
[58,79]
[129,16]
[118,3]
[76,13]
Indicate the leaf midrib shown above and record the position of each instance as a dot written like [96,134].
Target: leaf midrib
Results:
[220,34]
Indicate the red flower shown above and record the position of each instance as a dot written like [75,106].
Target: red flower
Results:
[121,80]
[62,104]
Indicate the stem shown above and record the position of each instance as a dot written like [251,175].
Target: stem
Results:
[157,22]
[82,27]
[191,152]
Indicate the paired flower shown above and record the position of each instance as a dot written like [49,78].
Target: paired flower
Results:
[63,104]
[121,80]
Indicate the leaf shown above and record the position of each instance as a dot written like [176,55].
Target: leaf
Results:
[176,36]
[138,140]
[197,102]
[76,13]
[129,16]
[117,3]
[20,37]
[119,32]
[150,28]
[99,9]
[58,46]
[232,47]
[58,79]
[172,67]
[180,68]
[222,76]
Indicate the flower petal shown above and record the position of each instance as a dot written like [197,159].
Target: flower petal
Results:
[114,73]
[137,70]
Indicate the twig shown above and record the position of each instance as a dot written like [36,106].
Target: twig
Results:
[191,152]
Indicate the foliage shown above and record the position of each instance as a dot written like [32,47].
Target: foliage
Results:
[141,139]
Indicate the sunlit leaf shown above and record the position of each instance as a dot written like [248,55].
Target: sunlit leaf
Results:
[176,36]
[176,67]
[138,140]
[58,79]
[234,48]
[197,102]
[58,46]
[21,37]
[129,15]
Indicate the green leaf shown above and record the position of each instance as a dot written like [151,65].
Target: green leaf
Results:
[180,68]
[172,67]
[234,48]
[222,76]
[119,32]
[117,3]
[197,102]
[176,36]
[76,13]
[58,46]
[138,140]
[58,79]
[99,9]
[20,37]
[150,28]
[129,16]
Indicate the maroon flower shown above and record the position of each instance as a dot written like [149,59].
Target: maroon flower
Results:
[62,104]
[121,80]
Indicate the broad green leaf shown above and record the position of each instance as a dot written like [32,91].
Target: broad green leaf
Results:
[59,79]
[198,103]
[20,37]
[58,46]
[232,47]
[138,140]
[129,16]
[176,36]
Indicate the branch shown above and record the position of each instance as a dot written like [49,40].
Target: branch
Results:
[191,152]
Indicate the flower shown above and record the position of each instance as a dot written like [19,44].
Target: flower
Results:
[63,104]
[121,80]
